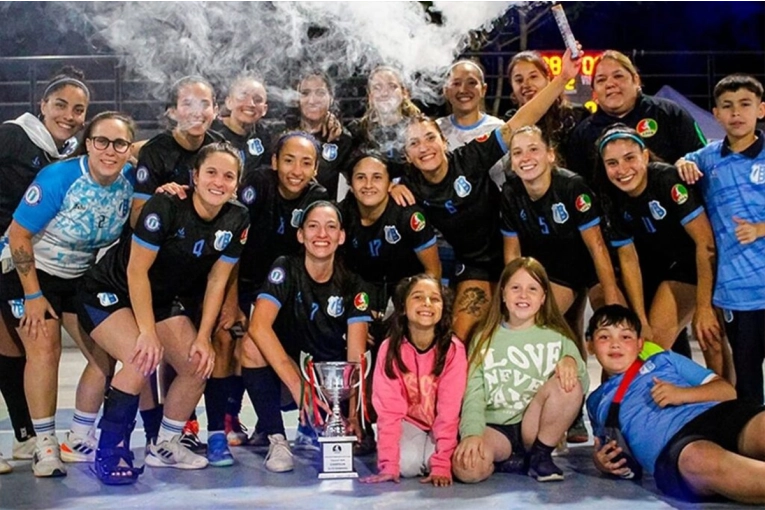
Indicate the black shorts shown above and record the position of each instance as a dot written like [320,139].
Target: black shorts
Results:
[60,292]
[654,274]
[513,434]
[481,271]
[721,424]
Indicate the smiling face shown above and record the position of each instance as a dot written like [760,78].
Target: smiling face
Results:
[626,166]
[738,111]
[315,98]
[64,112]
[530,157]
[526,80]
[616,347]
[615,88]
[370,182]
[321,233]
[247,102]
[105,164]
[386,92]
[523,297]
[426,150]
[216,179]
[195,109]
[465,88]
[424,305]
[295,165]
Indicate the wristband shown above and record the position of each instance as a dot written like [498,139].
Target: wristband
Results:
[32,296]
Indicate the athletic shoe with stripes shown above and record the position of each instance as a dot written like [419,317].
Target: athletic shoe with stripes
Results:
[77,448]
[23,450]
[173,454]
[46,461]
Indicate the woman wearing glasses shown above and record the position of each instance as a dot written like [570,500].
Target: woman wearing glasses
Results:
[71,210]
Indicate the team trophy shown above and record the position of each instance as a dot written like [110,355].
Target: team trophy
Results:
[335,382]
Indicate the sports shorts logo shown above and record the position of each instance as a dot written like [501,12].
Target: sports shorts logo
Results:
[417,221]
[222,239]
[361,301]
[583,203]
[757,176]
[646,128]
[33,196]
[152,222]
[679,194]
[142,174]
[107,298]
[329,152]
[657,211]
[728,316]
[17,308]
[462,187]
[255,146]
[335,306]
[559,212]
[276,276]
[391,234]
[248,195]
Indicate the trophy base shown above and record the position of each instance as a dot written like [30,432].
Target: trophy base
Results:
[337,457]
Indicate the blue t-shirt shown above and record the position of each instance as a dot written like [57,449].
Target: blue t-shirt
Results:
[646,426]
[734,186]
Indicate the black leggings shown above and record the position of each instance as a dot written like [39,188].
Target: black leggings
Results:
[746,333]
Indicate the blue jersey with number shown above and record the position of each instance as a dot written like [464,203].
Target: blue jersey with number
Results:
[72,216]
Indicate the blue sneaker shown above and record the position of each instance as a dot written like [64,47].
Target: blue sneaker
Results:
[306,438]
[218,454]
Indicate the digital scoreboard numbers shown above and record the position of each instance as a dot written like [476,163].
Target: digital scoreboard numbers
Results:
[578,90]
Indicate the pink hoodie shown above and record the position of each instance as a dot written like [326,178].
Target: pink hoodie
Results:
[425,401]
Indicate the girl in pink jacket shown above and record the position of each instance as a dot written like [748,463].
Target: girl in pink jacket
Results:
[419,381]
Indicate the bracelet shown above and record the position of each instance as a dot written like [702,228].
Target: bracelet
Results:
[34,295]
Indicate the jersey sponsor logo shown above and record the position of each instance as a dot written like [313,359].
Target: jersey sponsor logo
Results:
[646,128]
[222,239]
[297,217]
[524,216]
[417,221]
[329,152]
[391,234]
[361,301]
[757,175]
[583,203]
[276,276]
[244,235]
[255,146]
[107,298]
[657,211]
[248,195]
[36,163]
[124,208]
[462,186]
[335,306]
[483,137]
[152,223]
[181,233]
[559,212]
[679,194]
[17,308]
[142,174]
[33,196]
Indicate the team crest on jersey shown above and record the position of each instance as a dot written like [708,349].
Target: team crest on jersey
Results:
[329,152]
[757,175]
[244,235]
[297,217]
[248,195]
[646,128]
[17,308]
[417,221]
[583,203]
[142,174]
[152,222]
[483,137]
[107,298]
[361,301]
[276,276]
[222,239]
[679,194]
[335,306]
[391,234]
[255,146]
[462,186]
[559,212]
[657,211]
[33,196]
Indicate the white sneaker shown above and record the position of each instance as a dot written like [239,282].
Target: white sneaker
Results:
[77,448]
[46,461]
[24,450]
[279,458]
[173,454]
[4,466]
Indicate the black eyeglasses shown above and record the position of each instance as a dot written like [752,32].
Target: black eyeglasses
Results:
[102,143]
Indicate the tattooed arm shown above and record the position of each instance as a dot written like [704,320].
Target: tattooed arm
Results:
[470,305]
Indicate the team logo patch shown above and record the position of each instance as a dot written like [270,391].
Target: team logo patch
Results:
[417,221]
[679,194]
[335,306]
[17,308]
[297,217]
[248,195]
[391,234]
[657,211]
[483,137]
[583,203]
[152,222]
[329,152]
[276,276]
[255,146]
[33,196]
[646,128]
[243,236]
[142,174]
[222,239]
[462,186]
[107,298]
[361,301]
[757,175]
[559,212]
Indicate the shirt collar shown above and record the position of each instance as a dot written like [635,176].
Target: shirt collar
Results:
[750,152]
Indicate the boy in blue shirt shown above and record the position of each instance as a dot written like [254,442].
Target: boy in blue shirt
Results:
[680,420]
[733,186]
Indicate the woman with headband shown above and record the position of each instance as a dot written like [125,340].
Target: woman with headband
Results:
[27,144]
[664,242]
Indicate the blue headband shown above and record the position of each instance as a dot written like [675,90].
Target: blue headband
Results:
[620,135]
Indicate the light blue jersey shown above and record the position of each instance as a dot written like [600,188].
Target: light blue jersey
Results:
[72,216]
[734,186]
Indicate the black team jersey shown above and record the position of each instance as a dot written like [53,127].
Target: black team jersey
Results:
[274,221]
[163,160]
[20,162]
[386,251]
[655,220]
[254,147]
[668,130]
[313,317]
[549,229]
[187,247]
[333,160]
[464,206]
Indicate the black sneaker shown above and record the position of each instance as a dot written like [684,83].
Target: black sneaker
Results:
[190,438]
[517,464]
[543,468]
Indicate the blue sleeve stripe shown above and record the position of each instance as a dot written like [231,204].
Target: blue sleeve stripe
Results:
[229,260]
[509,233]
[354,320]
[500,140]
[692,215]
[426,245]
[590,224]
[621,242]
[143,243]
[269,297]
[142,196]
